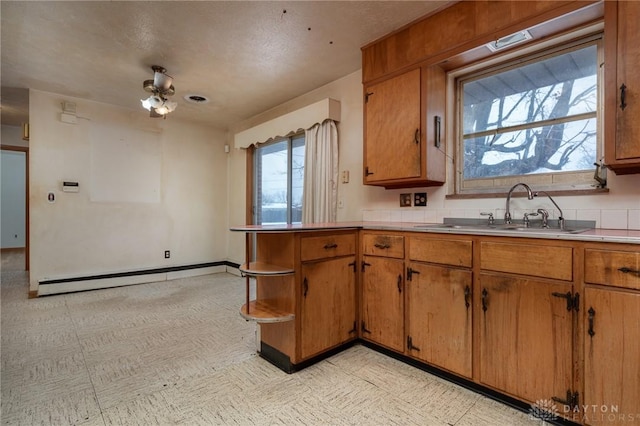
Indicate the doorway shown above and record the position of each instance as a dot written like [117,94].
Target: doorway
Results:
[14,201]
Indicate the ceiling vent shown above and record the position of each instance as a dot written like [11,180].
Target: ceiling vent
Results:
[510,40]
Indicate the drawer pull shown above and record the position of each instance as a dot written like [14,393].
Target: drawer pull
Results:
[382,246]
[305,285]
[330,246]
[626,270]
[399,283]
[592,314]
[623,96]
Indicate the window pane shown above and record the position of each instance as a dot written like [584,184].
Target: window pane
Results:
[272,183]
[297,178]
[279,177]
[564,147]
[505,117]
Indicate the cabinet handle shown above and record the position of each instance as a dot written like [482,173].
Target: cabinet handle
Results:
[416,137]
[354,329]
[437,121]
[626,270]
[381,246]
[623,97]
[353,264]
[485,294]
[467,296]
[364,328]
[592,314]
[365,264]
[399,283]
[330,246]
[305,286]
[367,172]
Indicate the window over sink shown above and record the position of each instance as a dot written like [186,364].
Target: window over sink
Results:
[533,118]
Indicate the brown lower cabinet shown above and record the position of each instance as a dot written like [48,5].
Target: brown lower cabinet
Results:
[439,316]
[328,315]
[383,302]
[526,337]
[542,321]
[383,298]
[611,332]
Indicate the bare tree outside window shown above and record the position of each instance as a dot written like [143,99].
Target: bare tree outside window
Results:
[539,117]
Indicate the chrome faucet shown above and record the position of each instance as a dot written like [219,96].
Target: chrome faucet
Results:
[561,217]
[507,214]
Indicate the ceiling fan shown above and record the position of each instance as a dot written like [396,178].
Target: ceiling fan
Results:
[160,87]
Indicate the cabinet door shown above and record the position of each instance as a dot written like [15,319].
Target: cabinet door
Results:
[392,129]
[383,302]
[525,337]
[612,356]
[439,316]
[622,52]
[328,316]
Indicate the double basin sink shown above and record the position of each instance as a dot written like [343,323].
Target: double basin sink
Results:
[506,227]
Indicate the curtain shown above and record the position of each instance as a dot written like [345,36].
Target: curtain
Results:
[320,194]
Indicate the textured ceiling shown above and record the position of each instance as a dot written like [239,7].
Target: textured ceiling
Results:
[246,57]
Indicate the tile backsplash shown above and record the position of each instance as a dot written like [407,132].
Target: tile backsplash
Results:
[610,219]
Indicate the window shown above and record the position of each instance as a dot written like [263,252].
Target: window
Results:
[532,119]
[278,182]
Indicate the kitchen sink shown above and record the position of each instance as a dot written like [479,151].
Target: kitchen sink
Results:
[502,227]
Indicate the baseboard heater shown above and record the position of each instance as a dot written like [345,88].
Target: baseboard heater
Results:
[116,279]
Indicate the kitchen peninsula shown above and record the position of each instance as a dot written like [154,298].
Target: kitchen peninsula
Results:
[519,315]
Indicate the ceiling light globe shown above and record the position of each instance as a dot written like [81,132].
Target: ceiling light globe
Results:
[146,104]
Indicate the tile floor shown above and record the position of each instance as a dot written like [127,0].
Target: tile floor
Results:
[178,353]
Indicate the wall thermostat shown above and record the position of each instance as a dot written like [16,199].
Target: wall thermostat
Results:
[70,186]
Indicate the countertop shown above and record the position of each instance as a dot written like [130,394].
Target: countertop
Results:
[629,236]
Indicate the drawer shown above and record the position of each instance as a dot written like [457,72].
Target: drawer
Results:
[446,252]
[528,259]
[327,246]
[615,268]
[383,245]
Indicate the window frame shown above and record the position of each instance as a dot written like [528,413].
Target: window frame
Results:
[559,181]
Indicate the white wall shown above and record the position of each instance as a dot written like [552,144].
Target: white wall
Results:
[100,230]
[620,208]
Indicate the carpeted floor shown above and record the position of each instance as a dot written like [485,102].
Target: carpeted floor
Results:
[178,352]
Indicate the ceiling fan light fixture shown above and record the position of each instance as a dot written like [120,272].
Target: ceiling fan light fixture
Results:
[162,81]
[160,87]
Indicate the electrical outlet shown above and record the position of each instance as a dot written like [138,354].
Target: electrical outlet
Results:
[405,200]
[167,254]
[420,199]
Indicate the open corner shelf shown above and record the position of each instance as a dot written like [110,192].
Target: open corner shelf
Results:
[264,269]
[260,311]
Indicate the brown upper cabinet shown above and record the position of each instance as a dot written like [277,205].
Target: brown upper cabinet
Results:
[622,87]
[404,79]
[403,128]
